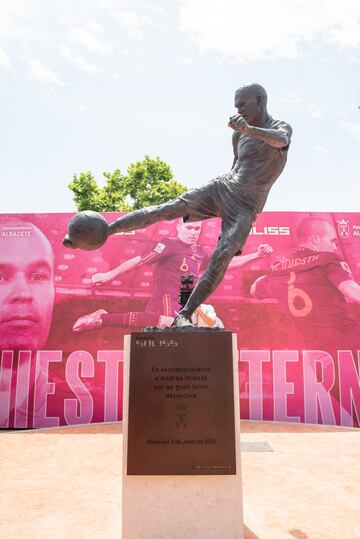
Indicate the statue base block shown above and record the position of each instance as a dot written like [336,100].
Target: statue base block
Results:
[181,454]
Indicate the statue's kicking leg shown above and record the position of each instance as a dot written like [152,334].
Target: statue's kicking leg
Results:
[231,242]
[149,215]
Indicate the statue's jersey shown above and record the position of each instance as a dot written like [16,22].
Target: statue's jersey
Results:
[172,258]
[258,165]
[306,286]
[246,187]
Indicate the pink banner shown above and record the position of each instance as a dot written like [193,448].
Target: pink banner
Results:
[292,298]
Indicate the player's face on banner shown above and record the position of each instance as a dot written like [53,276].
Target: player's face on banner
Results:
[26,291]
[189,232]
[328,240]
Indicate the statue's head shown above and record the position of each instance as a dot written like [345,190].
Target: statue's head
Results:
[251,102]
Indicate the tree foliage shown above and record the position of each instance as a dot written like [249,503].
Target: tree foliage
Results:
[147,182]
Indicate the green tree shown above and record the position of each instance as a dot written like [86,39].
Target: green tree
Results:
[147,182]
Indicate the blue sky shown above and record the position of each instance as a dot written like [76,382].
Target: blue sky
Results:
[97,84]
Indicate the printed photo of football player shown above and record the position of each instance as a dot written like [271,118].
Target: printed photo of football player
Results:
[314,287]
[26,308]
[172,257]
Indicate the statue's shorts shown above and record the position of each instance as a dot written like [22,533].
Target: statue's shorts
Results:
[222,198]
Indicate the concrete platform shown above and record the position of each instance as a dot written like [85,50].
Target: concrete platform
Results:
[299,482]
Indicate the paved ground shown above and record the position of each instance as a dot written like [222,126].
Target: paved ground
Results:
[66,483]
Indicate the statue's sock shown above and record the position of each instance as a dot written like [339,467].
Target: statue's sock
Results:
[198,296]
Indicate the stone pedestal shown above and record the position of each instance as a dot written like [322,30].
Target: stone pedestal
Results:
[181,426]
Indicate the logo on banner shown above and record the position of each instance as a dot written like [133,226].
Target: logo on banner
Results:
[159,248]
[343,228]
[270,230]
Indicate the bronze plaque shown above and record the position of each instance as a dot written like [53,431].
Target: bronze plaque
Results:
[181,404]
